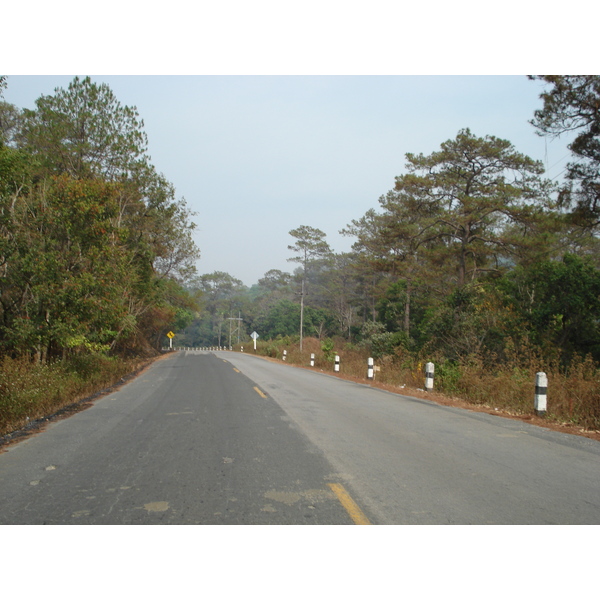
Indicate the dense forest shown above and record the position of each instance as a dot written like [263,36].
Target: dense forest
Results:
[94,250]
[472,253]
[94,245]
[473,256]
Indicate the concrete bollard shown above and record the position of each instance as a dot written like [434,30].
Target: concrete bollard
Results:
[284,354]
[242,348]
[541,390]
[370,369]
[312,360]
[336,366]
[429,368]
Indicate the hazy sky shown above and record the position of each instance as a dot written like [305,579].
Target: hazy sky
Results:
[270,115]
[256,156]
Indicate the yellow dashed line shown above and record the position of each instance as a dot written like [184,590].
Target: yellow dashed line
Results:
[351,507]
[261,394]
[236,370]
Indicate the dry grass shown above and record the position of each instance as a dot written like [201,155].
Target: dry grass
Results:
[30,391]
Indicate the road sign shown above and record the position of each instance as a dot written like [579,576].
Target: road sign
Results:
[254,335]
[170,335]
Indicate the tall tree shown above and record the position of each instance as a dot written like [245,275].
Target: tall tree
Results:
[275,280]
[310,247]
[341,290]
[66,276]
[390,245]
[572,104]
[465,195]
[372,254]
[85,131]
[10,123]
[470,208]
[93,244]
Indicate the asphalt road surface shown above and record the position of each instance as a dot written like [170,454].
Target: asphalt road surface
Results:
[229,438]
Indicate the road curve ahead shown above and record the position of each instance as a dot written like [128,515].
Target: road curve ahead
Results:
[228,438]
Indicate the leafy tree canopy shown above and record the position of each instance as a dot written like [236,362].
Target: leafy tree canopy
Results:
[572,103]
[85,131]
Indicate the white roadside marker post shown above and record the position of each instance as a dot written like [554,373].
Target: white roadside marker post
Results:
[541,390]
[370,369]
[284,354]
[312,360]
[336,367]
[429,368]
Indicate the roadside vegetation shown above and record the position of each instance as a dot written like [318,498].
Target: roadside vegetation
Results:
[95,248]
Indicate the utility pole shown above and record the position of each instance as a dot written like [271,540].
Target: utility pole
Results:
[220,326]
[302,313]
[239,320]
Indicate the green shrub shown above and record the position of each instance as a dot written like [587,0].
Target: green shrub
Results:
[447,376]
[327,346]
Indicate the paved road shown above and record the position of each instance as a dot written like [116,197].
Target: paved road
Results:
[227,438]
[410,461]
[188,442]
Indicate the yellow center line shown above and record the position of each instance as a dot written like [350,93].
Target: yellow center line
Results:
[236,370]
[261,394]
[351,507]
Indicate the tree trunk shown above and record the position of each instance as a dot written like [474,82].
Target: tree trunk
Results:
[462,266]
[407,309]
[301,314]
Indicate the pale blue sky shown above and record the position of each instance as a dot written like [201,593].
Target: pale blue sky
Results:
[270,115]
[256,156]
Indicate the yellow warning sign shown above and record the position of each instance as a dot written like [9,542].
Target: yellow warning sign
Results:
[170,335]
